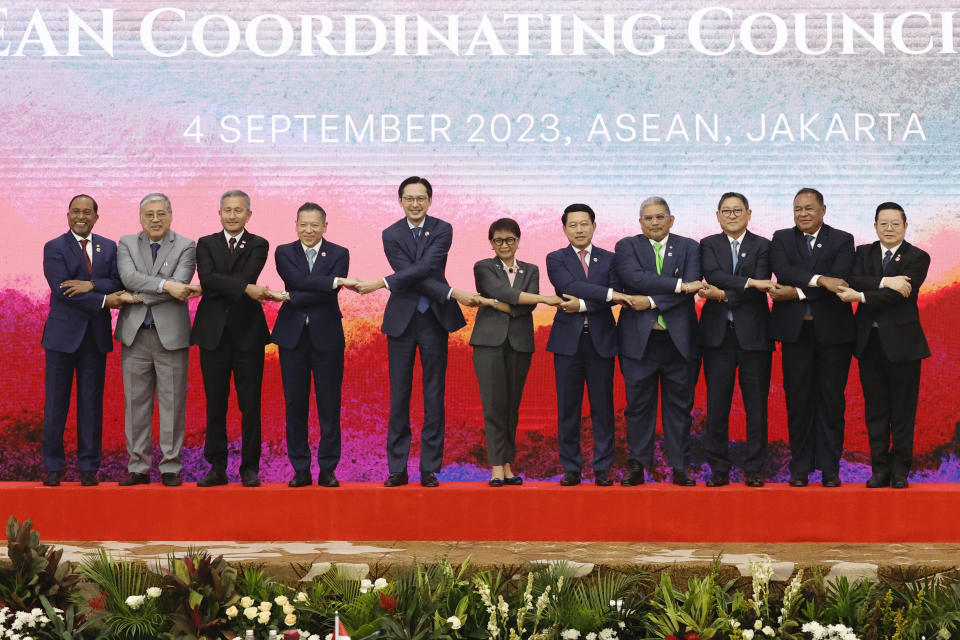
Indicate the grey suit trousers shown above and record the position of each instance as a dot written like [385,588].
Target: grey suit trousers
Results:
[147,366]
[501,374]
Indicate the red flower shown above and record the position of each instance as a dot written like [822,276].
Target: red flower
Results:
[99,603]
[691,635]
[389,604]
[671,638]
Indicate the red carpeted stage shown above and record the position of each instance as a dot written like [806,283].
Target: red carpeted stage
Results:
[473,511]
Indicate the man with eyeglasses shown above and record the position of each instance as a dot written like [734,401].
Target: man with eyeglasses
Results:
[886,279]
[583,340]
[734,336]
[657,331]
[811,261]
[156,265]
[231,331]
[421,312]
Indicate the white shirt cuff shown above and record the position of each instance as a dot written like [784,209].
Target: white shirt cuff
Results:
[583,305]
[678,288]
[653,305]
[813,281]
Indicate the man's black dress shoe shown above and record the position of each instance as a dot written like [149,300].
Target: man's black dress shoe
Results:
[831,481]
[718,480]
[634,477]
[496,482]
[754,480]
[601,478]
[570,479]
[428,479]
[798,481]
[326,478]
[134,478]
[89,479]
[53,478]
[899,482]
[170,479]
[397,479]
[300,479]
[250,478]
[214,478]
[878,481]
[513,481]
[681,478]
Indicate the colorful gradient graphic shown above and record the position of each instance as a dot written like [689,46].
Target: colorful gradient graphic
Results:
[121,126]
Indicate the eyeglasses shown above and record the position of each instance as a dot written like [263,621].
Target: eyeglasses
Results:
[504,241]
[412,199]
[732,213]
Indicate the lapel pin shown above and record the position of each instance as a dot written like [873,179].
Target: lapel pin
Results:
[426,233]
[521,270]
[166,264]
[98,250]
[743,255]
[897,259]
[670,255]
[819,246]
[323,254]
[594,259]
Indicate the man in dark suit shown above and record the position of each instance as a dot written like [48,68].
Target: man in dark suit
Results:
[420,313]
[658,339]
[309,333]
[886,279]
[583,340]
[81,269]
[734,335]
[157,265]
[815,328]
[231,331]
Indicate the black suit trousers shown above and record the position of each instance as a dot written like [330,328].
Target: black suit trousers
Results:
[296,365]
[890,393]
[720,368]
[426,334]
[814,381]
[246,365]
[586,365]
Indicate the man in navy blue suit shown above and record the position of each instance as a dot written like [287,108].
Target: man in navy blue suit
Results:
[309,333]
[657,334]
[583,340]
[421,312]
[816,331]
[81,269]
[734,335]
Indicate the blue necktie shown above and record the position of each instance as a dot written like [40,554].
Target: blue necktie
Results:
[311,257]
[148,319]
[810,240]
[735,252]
[886,260]
[423,303]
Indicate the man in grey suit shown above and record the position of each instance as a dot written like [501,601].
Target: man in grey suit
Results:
[157,265]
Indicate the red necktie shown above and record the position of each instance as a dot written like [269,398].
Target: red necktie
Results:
[583,261]
[233,244]
[86,256]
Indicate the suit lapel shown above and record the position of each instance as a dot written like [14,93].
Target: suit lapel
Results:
[747,249]
[300,257]
[427,226]
[896,261]
[669,259]
[726,255]
[572,258]
[73,248]
[166,246]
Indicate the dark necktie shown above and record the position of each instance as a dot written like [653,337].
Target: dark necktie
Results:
[735,254]
[148,319]
[886,260]
[423,303]
[233,245]
[810,240]
[86,256]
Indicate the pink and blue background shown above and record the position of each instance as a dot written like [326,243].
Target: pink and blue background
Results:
[113,127]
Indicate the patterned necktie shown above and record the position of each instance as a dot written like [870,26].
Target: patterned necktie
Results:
[656,249]
[86,256]
[810,240]
[311,257]
[886,260]
[583,261]
[423,303]
[148,318]
[233,245]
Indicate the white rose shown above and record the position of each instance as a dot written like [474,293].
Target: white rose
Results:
[758,624]
[302,597]
[570,634]
[329,637]
[592,635]
[134,602]
[290,620]
[767,631]
[246,601]
[232,612]
[748,634]
[251,612]
[288,609]
[379,584]
[281,600]
[266,606]
[453,620]
[154,592]
[365,585]
[264,617]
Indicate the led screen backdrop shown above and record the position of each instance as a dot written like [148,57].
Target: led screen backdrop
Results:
[510,109]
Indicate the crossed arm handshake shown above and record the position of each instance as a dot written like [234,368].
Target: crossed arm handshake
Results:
[118,299]
[780,292]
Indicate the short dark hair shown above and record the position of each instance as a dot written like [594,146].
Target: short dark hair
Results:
[83,195]
[504,224]
[733,194]
[311,206]
[811,191]
[578,207]
[890,205]
[415,180]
